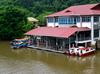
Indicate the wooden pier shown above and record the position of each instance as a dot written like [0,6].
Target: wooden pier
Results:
[50,50]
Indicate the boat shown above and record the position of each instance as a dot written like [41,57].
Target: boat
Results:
[18,45]
[19,40]
[22,43]
[85,51]
[14,42]
[72,51]
[30,42]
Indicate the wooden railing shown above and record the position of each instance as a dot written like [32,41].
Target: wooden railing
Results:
[80,38]
[85,38]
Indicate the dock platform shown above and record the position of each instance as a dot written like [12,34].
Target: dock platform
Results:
[50,50]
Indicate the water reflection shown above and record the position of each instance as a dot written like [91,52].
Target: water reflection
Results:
[17,50]
[32,61]
[82,59]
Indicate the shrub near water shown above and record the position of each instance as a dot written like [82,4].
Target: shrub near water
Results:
[12,20]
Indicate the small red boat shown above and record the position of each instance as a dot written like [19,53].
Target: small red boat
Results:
[85,51]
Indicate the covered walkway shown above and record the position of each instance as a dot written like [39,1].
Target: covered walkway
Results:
[51,37]
[62,51]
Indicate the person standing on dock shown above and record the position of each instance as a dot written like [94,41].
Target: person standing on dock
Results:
[56,47]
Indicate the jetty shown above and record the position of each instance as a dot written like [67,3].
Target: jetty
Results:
[62,51]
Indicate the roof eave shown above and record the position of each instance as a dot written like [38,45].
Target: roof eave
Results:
[83,30]
[74,15]
[47,36]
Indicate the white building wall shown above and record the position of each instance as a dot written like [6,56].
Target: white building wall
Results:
[56,24]
[65,25]
[52,24]
[84,24]
[78,25]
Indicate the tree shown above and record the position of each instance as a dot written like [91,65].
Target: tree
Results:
[38,8]
[12,20]
[42,19]
[56,4]
[29,26]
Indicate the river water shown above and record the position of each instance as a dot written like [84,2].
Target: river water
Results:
[32,61]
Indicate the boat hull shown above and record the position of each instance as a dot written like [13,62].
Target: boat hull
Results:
[16,47]
[84,54]
[80,51]
[71,54]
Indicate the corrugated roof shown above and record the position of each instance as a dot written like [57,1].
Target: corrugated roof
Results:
[78,10]
[55,31]
[32,19]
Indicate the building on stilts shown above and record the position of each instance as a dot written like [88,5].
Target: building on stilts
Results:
[72,27]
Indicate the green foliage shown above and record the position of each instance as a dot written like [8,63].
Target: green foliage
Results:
[29,26]
[42,18]
[12,20]
[39,6]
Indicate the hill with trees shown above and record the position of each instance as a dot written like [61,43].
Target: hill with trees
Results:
[38,7]
[32,8]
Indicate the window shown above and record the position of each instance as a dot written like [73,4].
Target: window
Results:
[56,19]
[72,51]
[50,20]
[78,19]
[96,33]
[62,20]
[66,20]
[87,50]
[96,19]
[91,49]
[86,19]
[81,51]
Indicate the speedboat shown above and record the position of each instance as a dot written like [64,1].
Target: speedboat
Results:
[72,51]
[85,51]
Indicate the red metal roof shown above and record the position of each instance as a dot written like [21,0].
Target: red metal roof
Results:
[55,31]
[89,9]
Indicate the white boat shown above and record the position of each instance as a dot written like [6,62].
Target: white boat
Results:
[84,51]
[72,51]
